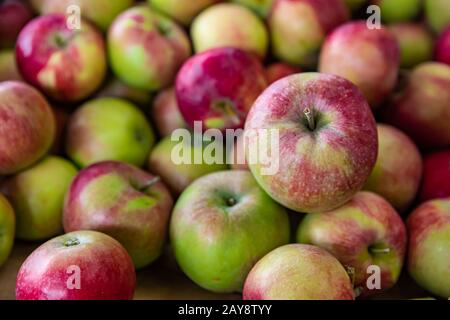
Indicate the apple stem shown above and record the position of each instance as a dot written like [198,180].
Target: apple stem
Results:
[310,118]
[150,183]
[380,250]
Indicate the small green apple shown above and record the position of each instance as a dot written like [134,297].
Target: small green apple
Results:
[398,10]
[437,14]
[7,226]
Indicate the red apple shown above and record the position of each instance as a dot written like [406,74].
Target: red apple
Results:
[327,141]
[66,64]
[442,50]
[27,126]
[165,113]
[121,200]
[14,16]
[218,87]
[427,85]
[279,70]
[298,272]
[368,57]
[436,176]
[84,265]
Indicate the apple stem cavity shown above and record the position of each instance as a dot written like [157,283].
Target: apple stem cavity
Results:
[379,250]
[310,119]
[231,202]
[150,183]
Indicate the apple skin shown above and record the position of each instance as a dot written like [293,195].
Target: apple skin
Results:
[436,176]
[8,67]
[106,270]
[260,7]
[398,171]
[428,84]
[442,49]
[368,58]
[415,42]
[239,154]
[7,229]
[437,14]
[179,176]
[15,15]
[27,126]
[165,112]
[123,201]
[100,12]
[146,48]
[321,168]
[429,246]
[222,224]
[218,87]
[221,26]
[298,28]
[37,195]
[356,233]
[298,272]
[279,70]
[115,88]
[398,10]
[180,10]
[109,129]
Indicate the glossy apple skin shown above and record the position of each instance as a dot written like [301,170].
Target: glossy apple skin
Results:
[298,28]
[218,87]
[429,246]
[398,10]
[216,243]
[115,88]
[415,43]
[109,129]
[8,67]
[368,58]
[398,171]
[123,201]
[180,10]
[354,232]
[15,15]
[27,126]
[100,12]
[146,48]
[298,272]
[221,26]
[320,169]
[7,229]
[165,112]
[436,176]
[437,14]
[68,65]
[179,176]
[279,70]
[442,49]
[106,270]
[427,85]
[37,195]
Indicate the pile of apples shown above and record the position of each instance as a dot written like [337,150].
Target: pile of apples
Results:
[362,111]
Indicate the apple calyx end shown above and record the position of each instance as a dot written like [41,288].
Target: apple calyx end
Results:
[71,242]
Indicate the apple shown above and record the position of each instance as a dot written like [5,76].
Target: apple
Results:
[279,70]
[100,12]
[427,85]
[116,88]
[7,227]
[146,48]
[62,116]
[84,265]
[222,224]
[165,113]
[367,57]
[429,246]
[442,49]
[109,129]
[37,195]
[436,176]
[239,154]
[298,28]
[437,14]
[298,272]
[181,10]
[221,25]
[398,171]
[260,7]
[27,126]
[327,141]
[178,176]
[366,231]
[8,67]
[66,64]
[123,201]
[15,15]
[354,5]
[218,87]
[415,41]
[398,10]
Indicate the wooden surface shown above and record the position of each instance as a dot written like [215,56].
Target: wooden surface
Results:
[163,281]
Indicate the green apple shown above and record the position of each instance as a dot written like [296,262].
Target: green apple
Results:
[8,67]
[261,7]
[181,10]
[222,224]
[109,129]
[437,14]
[398,10]
[7,226]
